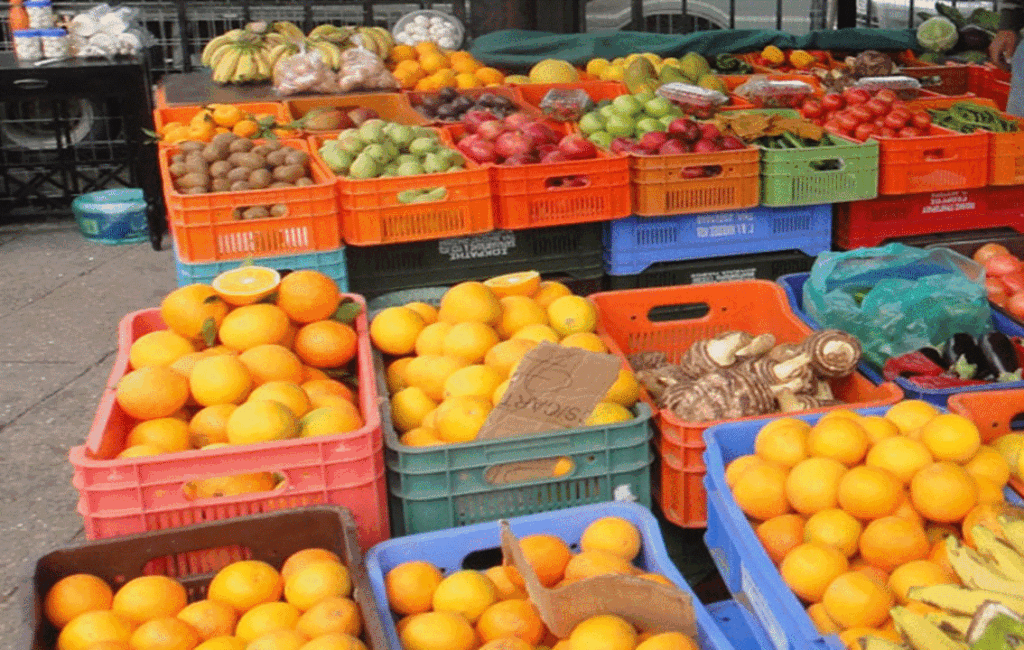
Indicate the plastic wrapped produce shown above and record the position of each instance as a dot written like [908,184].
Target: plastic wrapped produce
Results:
[305,72]
[103,31]
[361,69]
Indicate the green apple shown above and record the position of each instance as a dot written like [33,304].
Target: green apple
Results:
[644,96]
[591,122]
[658,107]
[602,139]
[620,126]
[648,124]
[666,120]
[626,105]
[607,111]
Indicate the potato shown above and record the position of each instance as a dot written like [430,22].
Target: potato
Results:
[220,168]
[194,162]
[278,157]
[214,152]
[274,144]
[194,179]
[241,145]
[188,146]
[240,186]
[178,169]
[220,185]
[250,160]
[278,210]
[296,157]
[260,178]
[256,212]
[238,174]
[289,173]
[224,139]
[305,181]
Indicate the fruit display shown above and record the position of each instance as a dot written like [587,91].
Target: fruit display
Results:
[738,375]
[968,117]
[1004,277]
[960,361]
[862,514]
[860,115]
[426,67]
[308,603]
[638,70]
[215,119]
[443,30]
[448,105]
[448,366]
[379,149]
[229,163]
[491,610]
[774,93]
[519,139]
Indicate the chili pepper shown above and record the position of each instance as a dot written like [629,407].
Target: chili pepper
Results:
[911,364]
[966,358]
[1001,356]
[944,381]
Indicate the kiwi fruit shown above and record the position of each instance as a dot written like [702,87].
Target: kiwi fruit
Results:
[255,212]
[262,150]
[289,173]
[241,145]
[178,169]
[279,185]
[214,152]
[194,179]
[250,160]
[194,162]
[305,181]
[224,139]
[260,178]
[238,174]
[296,157]
[220,185]
[194,190]
[178,158]
[240,186]
[278,210]
[220,168]
[277,157]
[188,146]
[274,144]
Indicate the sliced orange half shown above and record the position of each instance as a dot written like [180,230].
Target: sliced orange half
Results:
[246,285]
[523,283]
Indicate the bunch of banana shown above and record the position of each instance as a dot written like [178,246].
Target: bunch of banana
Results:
[376,39]
[330,52]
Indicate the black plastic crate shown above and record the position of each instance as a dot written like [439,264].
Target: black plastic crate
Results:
[761,266]
[571,254]
[968,242]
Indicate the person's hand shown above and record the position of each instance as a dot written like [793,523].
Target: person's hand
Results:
[1000,51]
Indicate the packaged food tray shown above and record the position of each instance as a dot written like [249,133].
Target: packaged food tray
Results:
[330,263]
[759,266]
[415,98]
[449,550]
[567,251]
[123,496]
[870,223]
[635,243]
[449,486]
[670,319]
[794,287]
[393,107]
[204,227]
[532,94]
[194,554]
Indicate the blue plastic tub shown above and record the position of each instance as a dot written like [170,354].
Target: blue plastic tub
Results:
[448,549]
[794,287]
[635,243]
[743,563]
[112,216]
[331,263]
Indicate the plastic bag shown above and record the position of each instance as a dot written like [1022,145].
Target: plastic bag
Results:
[566,105]
[305,72]
[774,93]
[361,69]
[897,298]
[103,31]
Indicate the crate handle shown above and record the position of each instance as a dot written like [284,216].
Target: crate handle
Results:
[694,172]
[519,450]
[528,471]
[282,484]
[827,165]
[938,155]
[679,311]
[1016,423]
[567,182]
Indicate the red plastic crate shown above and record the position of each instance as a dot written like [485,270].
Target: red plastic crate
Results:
[671,319]
[370,212]
[205,230]
[870,223]
[134,495]
[994,413]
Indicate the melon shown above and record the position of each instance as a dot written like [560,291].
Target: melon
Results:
[553,71]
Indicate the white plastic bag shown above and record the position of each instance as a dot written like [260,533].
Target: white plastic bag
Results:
[361,69]
[305,72]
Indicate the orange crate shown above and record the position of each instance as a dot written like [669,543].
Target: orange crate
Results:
[204,229]
[671,319]
[370,212]
[415,98]
[994,412]
[393,107]
[947,80]
[135,495]
[660,186]
[164,115]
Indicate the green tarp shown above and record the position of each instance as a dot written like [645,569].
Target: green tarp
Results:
[519,49]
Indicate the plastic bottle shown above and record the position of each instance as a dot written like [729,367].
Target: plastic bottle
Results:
[17,16]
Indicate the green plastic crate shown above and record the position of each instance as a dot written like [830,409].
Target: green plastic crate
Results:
[432,488]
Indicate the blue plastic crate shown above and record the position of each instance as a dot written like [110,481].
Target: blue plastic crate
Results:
[794,286]
[743,563]
[331,263]
[635,243]
[448,550]
[739,625]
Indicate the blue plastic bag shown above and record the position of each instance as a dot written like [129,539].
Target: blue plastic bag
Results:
[897,298]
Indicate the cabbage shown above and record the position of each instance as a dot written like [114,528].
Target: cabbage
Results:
[937,34]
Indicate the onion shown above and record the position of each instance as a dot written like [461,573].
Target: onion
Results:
[988,251]
[1001,264]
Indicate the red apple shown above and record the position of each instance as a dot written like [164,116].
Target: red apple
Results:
[491,129]
[511,144]
[481,151]
[709,131]
[545,149]
[576,147]
[673,146]
[539,133]
[553,157]
[520,159]
[706,145]
[653,139]
[519,120]
[684,128]
[621,145]
[473,119]
[732,143]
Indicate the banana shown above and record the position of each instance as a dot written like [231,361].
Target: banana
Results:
[386,38]
[1013,531]
[225,69]
[330,53]
[219,55]
[921,633]
[272,39]
[216,43]
[246,69]
[1007,560]
[376,45]
[962,601]
[288,30]
[277,53]
[973,570]
[954,626]
[263,69]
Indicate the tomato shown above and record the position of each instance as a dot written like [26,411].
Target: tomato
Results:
[893,121]
[1015,305]
[898,103]
[909,132]
[833,102]
[989,251]
[887,132]
[861,113]
[877,107]
[864,131]
[833,125]
[885,96]
[820,121]
[856,95]
[997,291]
[848,122]
[811,108]
[921,120]
[879,123]
[1014,282]
[999,265]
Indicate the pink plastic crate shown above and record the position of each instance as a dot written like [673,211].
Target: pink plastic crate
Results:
[135,495]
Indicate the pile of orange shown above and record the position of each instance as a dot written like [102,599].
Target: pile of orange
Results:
[222,118]
[426,67]
[245,360]
[450,366]
[249,605]
[855,510]
[490,610]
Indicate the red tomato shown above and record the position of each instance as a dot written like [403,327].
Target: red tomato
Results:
[861,113]
[833,102]
[879,123]
[887,132]
[856,95]
[988,251]
[833,125]
[885,96]
[893,121]
[921,120]
[908,132]
[864,131]
[1014,282]
[820,121]
[877,107]
[898,103]
[811,108]
[997,292]
[1000,265]
[1015,305]
[848,122]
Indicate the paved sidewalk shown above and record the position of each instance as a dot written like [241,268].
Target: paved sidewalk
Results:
[61,298]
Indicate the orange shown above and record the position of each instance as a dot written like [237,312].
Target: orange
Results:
[595,563]
[943,492]
[833,527]
[519,311]
[410,586]
[917,573]
[395,329]
[859,564]
[548,291]
[232,485]
[220,379]
[989,492]
[825,625]
[809,568]
[167,633]
[739,465]
[334,615]
[427,312]
[246,285]
[244,584]
[394,374]
[401,53]
[489,76]
[169,434]
[92,628]
[470,65]
[905,510]
[278,640]
[426,47]
[433,62]
[469,340]
[910,414]
[855,600]
[668,641]
[891,541]
[505,356]
[317,388]
[466,381]
[625,391]
[438,631]
[465,592]
[786,422]
[315,582]
[613,535]
[209,425]
[305,557]
[246,128]
[252,325]
[335,641]
[148,597]
[813,484]
[585,341]
[431,339]
[868,492]
[459,419]
[779,535]
[522,283]
[272,362]
[209,619]
[430,372]
[951,437]
[159,348]
[506,643]
[572,314]
[547,554]
[838,438]
[261,421]
[152,392]
[467,80]
[341,417]
[265,618]
[516,618]
[603,632]
[76,594]
[420,437]
[878,428]
[470,301]
[409,406]
[901,456]
[326,344]
[139,451]
[938,556]
[308,296]
[784,445]
[989,464]
[760,491]
[288,393]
